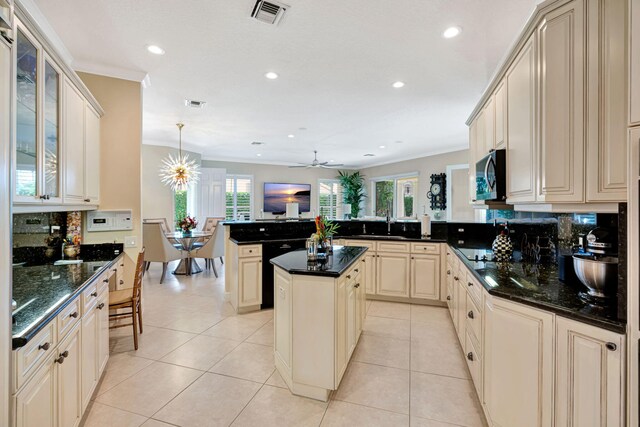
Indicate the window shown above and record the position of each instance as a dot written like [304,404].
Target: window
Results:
[396,195]
[239,197]
[179,205]
[330,199]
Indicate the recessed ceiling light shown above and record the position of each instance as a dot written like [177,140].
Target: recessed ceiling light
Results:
[291,135]
[156,50]
[382,147]
[259,155]
[271,75]
[369,155]
[451,32]
[398,85]
[331,160]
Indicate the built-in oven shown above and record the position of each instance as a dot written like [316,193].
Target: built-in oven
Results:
[491,177]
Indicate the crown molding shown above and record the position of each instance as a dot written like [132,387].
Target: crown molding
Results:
[111,71]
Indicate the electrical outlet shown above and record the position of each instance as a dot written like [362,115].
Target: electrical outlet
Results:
[130,242]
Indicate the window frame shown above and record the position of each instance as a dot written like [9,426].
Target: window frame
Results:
[235,178]
[339,207]
[395,178]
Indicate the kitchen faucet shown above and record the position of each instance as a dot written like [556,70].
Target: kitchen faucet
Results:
[388,221]
[364,228]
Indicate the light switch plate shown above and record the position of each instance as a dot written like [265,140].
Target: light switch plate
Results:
[130,242]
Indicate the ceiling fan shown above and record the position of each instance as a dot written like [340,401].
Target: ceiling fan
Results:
[317,164]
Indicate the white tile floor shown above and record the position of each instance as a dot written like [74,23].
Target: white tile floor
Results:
[200,365]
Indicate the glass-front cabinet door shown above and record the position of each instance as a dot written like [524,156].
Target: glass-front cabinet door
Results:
[26,160]
[51,148]
[38,95]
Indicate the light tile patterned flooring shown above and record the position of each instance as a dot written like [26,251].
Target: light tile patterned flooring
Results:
[198,364]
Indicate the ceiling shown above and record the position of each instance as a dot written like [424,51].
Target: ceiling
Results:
[336,62]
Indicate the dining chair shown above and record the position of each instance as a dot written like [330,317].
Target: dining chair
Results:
[212,248]
[158,248]
[130,298]
[211,222]
[164,223]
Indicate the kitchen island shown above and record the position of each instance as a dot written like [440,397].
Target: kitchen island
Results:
[319,311]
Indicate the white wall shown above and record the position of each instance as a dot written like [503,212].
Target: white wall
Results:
[425,166]
[275,173]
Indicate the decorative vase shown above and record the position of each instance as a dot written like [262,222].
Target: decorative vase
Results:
[71,251]
[50,252]
[502,248]
[187,233]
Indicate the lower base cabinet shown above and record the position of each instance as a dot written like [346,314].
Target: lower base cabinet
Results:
[518,364]
[425,276]
[589,376]
[69,364]
[393,271]
[36,404]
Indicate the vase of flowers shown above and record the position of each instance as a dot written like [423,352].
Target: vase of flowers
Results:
[187,225]
[71,245]
[325,229]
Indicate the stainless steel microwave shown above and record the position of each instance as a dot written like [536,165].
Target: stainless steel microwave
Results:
[491,176]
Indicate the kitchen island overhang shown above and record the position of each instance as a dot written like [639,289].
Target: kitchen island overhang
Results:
[319,310]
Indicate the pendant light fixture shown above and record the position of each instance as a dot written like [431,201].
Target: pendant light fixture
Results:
[179,172]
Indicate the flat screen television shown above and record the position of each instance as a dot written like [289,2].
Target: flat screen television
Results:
[277,195]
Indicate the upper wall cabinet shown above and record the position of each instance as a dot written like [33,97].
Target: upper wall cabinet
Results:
[521,135]
[37,151]
[57,149]
[634,63]
[559,107]
[561,153]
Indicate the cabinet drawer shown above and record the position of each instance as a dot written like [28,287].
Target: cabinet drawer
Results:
[393,247]
[425,248]
[474,288]
[29,358]
[249,250]
[474,362]
[364,243]
[68,318]
[474,318]
[90,295]
[104,282]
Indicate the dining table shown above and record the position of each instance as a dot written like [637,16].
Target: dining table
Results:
[189,242]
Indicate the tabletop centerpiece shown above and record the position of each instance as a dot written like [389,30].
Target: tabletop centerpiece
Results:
[187,225]
[71,245]
[325,229]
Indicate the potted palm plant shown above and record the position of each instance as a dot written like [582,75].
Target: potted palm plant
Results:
[353,190]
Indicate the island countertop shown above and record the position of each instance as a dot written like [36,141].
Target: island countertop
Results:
[42,291]
[335,265]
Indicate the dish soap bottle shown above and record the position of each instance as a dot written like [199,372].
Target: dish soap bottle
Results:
[502,246]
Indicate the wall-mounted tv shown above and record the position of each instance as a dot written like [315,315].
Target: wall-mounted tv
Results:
[277,195]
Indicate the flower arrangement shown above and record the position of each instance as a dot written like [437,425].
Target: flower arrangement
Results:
[72,240]
[324,229]
[187,224]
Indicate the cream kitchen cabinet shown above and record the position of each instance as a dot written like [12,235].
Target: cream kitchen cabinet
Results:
[589,376]
[90,328]
[521,125]
[73,143]
[250,276]
[393,271]
[425,276]
[500,116]
[606,167]
[634,63]
[69,377]
[91,156]
[36,405]
[518,364]
[561,47]
[103,331]
[369,272]
[489,125]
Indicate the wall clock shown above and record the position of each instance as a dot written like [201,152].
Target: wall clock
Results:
[438,192]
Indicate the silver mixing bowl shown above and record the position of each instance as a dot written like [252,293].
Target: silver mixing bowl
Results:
[600,275]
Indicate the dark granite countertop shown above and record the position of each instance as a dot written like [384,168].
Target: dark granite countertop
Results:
[42,291]
[253,240]
[335,265]
[539,286]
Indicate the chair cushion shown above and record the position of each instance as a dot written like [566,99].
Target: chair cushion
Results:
[121,296]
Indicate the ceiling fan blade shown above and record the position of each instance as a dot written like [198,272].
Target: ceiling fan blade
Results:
[300,166]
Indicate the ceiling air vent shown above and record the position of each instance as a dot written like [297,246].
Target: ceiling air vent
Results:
[270,12]
[194,104]
[257,143]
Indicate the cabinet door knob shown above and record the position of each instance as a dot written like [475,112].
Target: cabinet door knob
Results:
[348,276]
[470,356]
[448,272]
[448,297]
[469,283]
[115,270]
[122,281]
[100,306]
[60,360]
[356,270]
[470,315]
[250,251]
[357,285]
[611,346]
[74,315]
[94,294]
[46,346]
[87,200]
[456,278]
[105,280]
[65,353]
